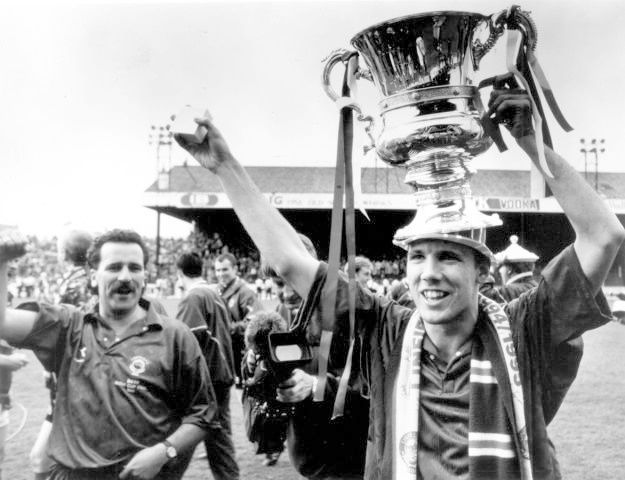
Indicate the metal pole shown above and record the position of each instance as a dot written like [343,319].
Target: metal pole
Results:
[158,244]
[585,152]
[596,170]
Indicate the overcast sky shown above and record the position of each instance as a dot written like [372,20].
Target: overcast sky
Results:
[82,83]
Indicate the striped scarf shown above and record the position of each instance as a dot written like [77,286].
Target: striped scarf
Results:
[494,452]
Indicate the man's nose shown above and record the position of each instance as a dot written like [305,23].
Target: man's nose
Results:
[124,274]
[431,269]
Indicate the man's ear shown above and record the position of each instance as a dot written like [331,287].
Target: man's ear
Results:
[483,270]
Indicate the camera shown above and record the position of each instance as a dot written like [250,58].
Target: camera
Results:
[287,351]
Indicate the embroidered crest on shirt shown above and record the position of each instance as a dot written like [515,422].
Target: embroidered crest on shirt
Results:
[137,366]
[81,355]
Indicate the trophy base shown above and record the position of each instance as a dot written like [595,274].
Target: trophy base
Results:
[446,216]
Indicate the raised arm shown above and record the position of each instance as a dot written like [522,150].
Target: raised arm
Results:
[276,239]
[15,325]
[598,233]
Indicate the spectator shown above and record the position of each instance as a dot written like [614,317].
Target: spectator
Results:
[364,271]
[10,361]
[241,301]
[206,314]
[74,289]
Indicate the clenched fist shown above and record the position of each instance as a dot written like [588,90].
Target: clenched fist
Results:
[513,109]
[12,245]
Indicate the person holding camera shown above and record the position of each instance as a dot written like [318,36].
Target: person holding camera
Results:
[133,392]
[266,419]
[320,448]
[461,387]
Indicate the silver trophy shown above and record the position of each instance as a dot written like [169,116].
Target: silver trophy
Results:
[432,116]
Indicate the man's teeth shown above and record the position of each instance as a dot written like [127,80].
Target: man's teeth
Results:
[433,294]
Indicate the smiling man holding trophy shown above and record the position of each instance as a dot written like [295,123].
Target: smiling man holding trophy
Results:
[460,388]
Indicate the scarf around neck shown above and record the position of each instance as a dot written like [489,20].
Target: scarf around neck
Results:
[491,446]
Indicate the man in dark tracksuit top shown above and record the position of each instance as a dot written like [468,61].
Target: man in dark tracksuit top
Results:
[205,313]
[134,394]
[241,301]
[488,381]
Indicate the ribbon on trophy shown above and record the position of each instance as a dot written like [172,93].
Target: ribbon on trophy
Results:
[343,192]
[523,65]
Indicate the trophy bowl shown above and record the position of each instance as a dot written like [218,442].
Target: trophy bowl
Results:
[432,117]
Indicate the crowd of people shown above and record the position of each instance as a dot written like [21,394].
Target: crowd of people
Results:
[39,273]
[453,370]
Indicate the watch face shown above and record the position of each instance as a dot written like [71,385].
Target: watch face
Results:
[171,452]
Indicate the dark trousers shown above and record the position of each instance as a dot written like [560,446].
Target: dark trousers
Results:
[238,348]
[218,441]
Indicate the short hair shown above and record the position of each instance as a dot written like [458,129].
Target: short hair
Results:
[267,271]
[361,262]
[190,264]
[229,257]
[76,245]
[115,236]
[519,267]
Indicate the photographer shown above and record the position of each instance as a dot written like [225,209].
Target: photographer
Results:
[266,419]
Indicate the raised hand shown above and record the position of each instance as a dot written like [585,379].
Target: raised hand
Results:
[513,109]
[12,245]
[212,152]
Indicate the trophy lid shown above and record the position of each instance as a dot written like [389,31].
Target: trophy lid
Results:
[515,253]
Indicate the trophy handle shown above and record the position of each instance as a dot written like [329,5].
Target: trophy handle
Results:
[512,18]
[344,56]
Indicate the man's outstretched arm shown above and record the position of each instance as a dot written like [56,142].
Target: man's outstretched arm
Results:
[15,325]
[598,233]
[276,239]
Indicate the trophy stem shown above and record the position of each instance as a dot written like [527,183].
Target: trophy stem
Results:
[443,196]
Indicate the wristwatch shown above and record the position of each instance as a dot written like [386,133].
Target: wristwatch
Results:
[170,450]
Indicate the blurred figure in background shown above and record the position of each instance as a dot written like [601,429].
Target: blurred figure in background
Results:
[74,289]
[241,301]
[515,266]
[10,361]
[364,272]
[206,314]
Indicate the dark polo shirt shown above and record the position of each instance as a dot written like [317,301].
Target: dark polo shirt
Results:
[444,413]
[117,396]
